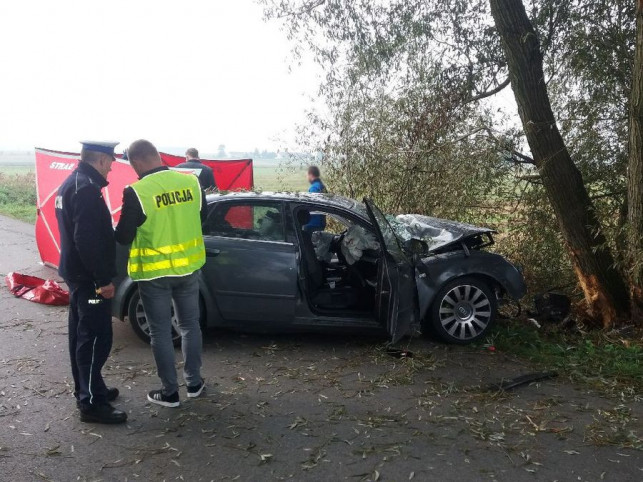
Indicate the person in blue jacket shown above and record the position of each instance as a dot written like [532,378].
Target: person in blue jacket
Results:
[88,265]
[317,221]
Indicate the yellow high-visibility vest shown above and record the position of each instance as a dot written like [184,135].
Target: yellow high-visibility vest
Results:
[170,241]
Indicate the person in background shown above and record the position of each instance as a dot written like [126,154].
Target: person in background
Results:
[317,221]
[88,264]
[161,216]
[206,175]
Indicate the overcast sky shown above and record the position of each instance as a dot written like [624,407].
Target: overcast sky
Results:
[191,73]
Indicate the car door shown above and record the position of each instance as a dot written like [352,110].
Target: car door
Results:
[396,305]
[250,269]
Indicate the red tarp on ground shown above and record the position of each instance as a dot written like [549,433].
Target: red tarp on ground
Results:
[36,289]
[53,167]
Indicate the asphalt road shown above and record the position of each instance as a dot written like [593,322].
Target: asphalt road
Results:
[302,407]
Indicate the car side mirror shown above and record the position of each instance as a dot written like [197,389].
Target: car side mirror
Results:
[416,247]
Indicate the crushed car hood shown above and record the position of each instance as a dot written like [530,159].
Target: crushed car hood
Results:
[438,233]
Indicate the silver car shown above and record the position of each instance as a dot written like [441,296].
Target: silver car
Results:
[313,262]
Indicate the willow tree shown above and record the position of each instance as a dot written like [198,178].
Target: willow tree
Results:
[635,174]
[604,287]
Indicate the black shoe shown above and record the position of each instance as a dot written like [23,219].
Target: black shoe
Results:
[196,390]
[156,396]
[112,394]
[104,413]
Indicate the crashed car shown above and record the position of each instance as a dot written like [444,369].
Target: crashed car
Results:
[265,270]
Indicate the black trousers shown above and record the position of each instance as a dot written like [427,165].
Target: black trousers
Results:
[90,341]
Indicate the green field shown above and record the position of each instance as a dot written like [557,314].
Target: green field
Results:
[18,186]
[17,169]
[274,178]
[18,192]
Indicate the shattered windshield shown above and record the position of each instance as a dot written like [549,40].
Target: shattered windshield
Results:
[394,231]
[400,229]
[434,231]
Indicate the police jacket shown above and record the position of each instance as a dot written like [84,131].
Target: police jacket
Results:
[87,246]
[132,214]
[206,175]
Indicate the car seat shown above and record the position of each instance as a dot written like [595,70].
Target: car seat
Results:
[322,294]
[271,226]
[314,270]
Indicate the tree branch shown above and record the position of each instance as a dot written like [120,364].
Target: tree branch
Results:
[608,194]
[305,9]
[533,178]
[524,159]
[491,92]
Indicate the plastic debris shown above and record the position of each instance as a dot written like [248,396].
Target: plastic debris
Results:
[397,353]
[511,383]
[552,306]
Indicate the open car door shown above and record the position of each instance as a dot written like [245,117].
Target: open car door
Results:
[396,305]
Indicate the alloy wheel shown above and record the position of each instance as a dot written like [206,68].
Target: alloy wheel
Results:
[465,312]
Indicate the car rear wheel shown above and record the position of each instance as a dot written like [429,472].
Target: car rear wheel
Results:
[463,311]
[139,322]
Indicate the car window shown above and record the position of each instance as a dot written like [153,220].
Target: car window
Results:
[336,224]
[247,221]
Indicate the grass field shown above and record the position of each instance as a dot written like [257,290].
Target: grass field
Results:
[18,169]
[18,186]
[18,192]
[274,178]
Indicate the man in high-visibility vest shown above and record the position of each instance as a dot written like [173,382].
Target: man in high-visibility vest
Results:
[161,217]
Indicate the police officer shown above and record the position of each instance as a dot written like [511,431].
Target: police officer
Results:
[87,264]
[206,174]
[161,217]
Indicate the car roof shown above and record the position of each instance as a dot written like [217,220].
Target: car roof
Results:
[319,199]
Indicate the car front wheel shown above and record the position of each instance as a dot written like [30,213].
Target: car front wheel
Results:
[463,311]
[139,322]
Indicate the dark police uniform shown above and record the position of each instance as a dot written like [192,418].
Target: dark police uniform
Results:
[87,262]
[206,174]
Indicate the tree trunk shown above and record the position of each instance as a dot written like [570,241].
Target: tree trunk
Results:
[635,174]
[604,288]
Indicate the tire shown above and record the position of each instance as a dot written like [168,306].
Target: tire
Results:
[463,311]
[137,319]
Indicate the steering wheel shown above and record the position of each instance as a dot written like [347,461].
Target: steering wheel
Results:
[336,243]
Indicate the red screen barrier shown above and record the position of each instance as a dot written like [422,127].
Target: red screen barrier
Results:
[229,175]
[53,167]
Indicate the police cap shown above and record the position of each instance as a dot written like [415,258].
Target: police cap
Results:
[100,146]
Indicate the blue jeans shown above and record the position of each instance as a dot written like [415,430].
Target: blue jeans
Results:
[157,296]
